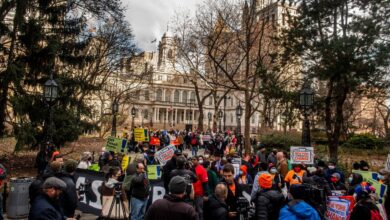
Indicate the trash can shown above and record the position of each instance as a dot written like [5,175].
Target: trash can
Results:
[18,205]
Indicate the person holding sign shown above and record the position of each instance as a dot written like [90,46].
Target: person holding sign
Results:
[295,176]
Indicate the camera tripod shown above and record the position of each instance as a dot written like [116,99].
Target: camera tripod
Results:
[117,207]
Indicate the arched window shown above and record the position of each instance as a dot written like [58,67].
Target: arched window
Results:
[210,100]
[170,54]
[192,97]
[146,95]
[253,119]
[176,97]
[184,97]
[159,95]
[168,95]
[232,118]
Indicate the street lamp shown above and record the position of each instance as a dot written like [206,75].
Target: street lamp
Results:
[50,93]
[306,101]
[133,112]
[209,117]
[220,115]
[239,114]
[224,110]
[115,109]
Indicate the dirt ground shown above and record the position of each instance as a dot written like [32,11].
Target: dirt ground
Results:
[21,164]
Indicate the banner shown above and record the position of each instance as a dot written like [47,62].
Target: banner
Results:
[116,144]
[165,154]
[154,172]
[154,141]
[206,138]
[141,135]
[339,208]
[301,155]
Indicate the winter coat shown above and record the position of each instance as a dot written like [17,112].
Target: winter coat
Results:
[171,207]
[45,208]
[213,180]
[140,186]
[298,210]
[363,209]
[214,209]
[268,204]
[68,198]
[167,168]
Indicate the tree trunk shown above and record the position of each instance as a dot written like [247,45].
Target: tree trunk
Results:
[247,123]
[3,106]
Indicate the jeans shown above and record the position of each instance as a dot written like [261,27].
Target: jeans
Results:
[138,208]
[194,150]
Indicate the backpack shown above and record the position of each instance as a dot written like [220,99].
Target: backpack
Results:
[193,141]
[375,215]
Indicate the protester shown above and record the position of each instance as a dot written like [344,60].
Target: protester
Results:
[364,165]
[331,170]
[139,194]
[336,184]
[85,160]
[200,186]
[365,207]
[268,201]
[168,167]
[263,168]
[243,177]
[294,176]
[282,164]
[69,198]
[234,191]
[3,177]
[277,179]
[216,208]
[297,209]
[212,176]
[272,157]
[188,175]
[253,166]
[354,181]
[261,154]
[172,206]
[46,205]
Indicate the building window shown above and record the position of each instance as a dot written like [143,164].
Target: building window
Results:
[167,95]
[253,119]
[159,95]
[210,100]
[232,118]
[170,54]
[160,77]
[231,101]
[192,99]
[176,98]
[146,95]
[184,97]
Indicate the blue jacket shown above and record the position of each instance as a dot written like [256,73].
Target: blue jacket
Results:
[43,208]
[298,210]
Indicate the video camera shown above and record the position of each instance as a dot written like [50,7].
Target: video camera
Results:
[244,209]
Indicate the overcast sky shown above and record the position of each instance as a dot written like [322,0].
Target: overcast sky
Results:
[149,18]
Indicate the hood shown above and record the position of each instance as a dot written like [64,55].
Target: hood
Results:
[111,183]
[301,209]
[273,195]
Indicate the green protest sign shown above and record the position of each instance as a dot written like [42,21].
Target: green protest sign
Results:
[116,144]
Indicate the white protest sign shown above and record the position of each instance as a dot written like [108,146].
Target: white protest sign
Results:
[388,163]
[236,162]
[299,155]
[165,154]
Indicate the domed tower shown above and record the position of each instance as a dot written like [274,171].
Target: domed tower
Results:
[166,51]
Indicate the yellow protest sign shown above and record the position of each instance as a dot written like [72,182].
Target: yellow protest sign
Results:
[141,135]
[125,162]
[153,172]
[116,144]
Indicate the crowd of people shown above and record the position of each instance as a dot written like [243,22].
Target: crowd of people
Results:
[223,183]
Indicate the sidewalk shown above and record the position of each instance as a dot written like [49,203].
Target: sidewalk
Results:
[84,216]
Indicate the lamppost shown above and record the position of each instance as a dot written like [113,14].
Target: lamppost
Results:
[224,110]
[115,108]
[133,112]
[209,117]
[306,100]
[50,93]
[220,115]
[239,114]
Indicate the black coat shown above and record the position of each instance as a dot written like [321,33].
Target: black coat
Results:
[68,198]
[171,208]
[168,167]
[140,186]
[44,208]
[268,204]
[231,200]
[215,209]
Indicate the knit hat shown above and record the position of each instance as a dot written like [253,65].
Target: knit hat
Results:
[265,181]
[54,182]
[177,185]
[244,169]
[70,166]
[337,175]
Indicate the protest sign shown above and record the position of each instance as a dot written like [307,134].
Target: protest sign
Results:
[154,141]
[236,162]
[338,208]
[301,155]
[388,163]
[116,144]
[165,154]
[154,172]
[380,189]
[206,138]
[125,162]
[141,135]
[366,174]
